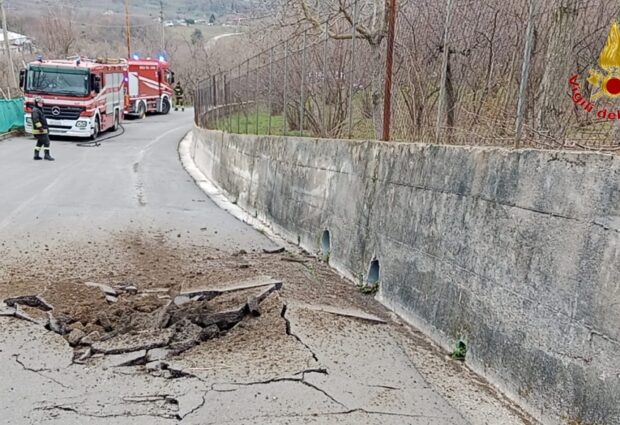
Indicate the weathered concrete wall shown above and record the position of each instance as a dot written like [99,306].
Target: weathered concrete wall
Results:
[515,252]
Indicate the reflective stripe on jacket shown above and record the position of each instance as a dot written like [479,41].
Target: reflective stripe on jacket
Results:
[39,123]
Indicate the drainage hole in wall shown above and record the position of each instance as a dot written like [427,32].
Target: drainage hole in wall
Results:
[373,273]
[326,245]
[371,285]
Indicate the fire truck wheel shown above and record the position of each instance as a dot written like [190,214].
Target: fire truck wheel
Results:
[141,111]
[165,106]
[96,129]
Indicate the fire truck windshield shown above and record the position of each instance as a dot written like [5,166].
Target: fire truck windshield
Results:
[69,82]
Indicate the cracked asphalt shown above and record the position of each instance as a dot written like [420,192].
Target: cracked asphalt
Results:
[128,211]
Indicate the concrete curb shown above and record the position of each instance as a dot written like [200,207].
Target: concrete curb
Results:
[220,197]
[10,134]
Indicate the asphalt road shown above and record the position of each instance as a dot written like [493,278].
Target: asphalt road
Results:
[306,368]
[132,182]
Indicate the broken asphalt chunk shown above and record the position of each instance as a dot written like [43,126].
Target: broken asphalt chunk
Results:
[203,293]
[81,355]
[91,338]
[157,354]
[57,324]
[75,336]
[126,359]
[251,283]
[127,343]
[345,312]
[6,311]
[181,299]
[111,299]
[253,306]
[106,289]
[31,301]
[278,250]
[21,314]
[209,332]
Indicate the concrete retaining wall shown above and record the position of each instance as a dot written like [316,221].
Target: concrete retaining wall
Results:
[515,252]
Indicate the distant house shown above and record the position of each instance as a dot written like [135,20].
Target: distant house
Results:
[17,42]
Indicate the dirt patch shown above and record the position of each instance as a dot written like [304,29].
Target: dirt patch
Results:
[137,293]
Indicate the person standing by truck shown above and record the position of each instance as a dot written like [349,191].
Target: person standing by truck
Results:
[179,99]
[40,130]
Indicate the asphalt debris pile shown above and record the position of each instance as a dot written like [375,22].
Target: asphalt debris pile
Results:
[139,327]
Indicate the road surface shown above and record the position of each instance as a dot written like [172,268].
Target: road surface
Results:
[127,213]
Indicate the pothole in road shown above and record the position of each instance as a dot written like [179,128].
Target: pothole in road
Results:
[148,326]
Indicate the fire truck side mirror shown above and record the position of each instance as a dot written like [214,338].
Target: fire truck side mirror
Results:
[22,79]
[171,77]
[96,83]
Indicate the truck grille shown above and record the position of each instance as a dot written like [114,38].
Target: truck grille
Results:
[62,112]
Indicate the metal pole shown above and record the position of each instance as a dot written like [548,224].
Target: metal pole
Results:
[270,89]
[325,70]
[226,103]
[7,45]
[217,101]
[444,71]
[127,29]
[247,85]
[285,111]
[256,89]
[352,74]
[387,100]
[302,105]
[238,99]
[525,72]
[163,27]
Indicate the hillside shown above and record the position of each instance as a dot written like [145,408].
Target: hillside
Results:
[172,8]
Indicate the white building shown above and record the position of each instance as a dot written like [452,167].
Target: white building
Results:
[18,42]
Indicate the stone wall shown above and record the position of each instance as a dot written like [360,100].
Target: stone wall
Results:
[516,253]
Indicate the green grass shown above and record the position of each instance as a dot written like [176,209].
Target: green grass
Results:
[236,123]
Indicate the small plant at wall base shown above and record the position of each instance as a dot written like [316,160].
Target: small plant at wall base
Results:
[325,257]
[369,289]
[460,351]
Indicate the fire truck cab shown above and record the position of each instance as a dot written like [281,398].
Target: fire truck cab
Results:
[80,97]
[149,87]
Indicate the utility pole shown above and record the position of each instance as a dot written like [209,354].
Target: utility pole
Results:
[127,29]
[163,27]
[443,102]
[389,65]
[7,44]
[525,71]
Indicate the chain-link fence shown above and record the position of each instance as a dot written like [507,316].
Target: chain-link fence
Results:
[458,86]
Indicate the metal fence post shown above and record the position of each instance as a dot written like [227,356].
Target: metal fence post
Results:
[270,102]
[238,99]
[352,76]
[302,105]
[215,101]
[325,70]
[256,94]
[247,86]
[226,105]
[285,111]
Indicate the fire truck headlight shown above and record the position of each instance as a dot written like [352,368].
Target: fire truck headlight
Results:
[81,124]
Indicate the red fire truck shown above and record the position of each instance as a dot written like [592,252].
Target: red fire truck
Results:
[149,87]
[81,97]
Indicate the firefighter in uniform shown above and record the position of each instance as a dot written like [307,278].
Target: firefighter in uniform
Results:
[40,130]
[179,100]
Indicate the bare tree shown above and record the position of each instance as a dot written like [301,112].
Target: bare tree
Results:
[368,21]
[554,102]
